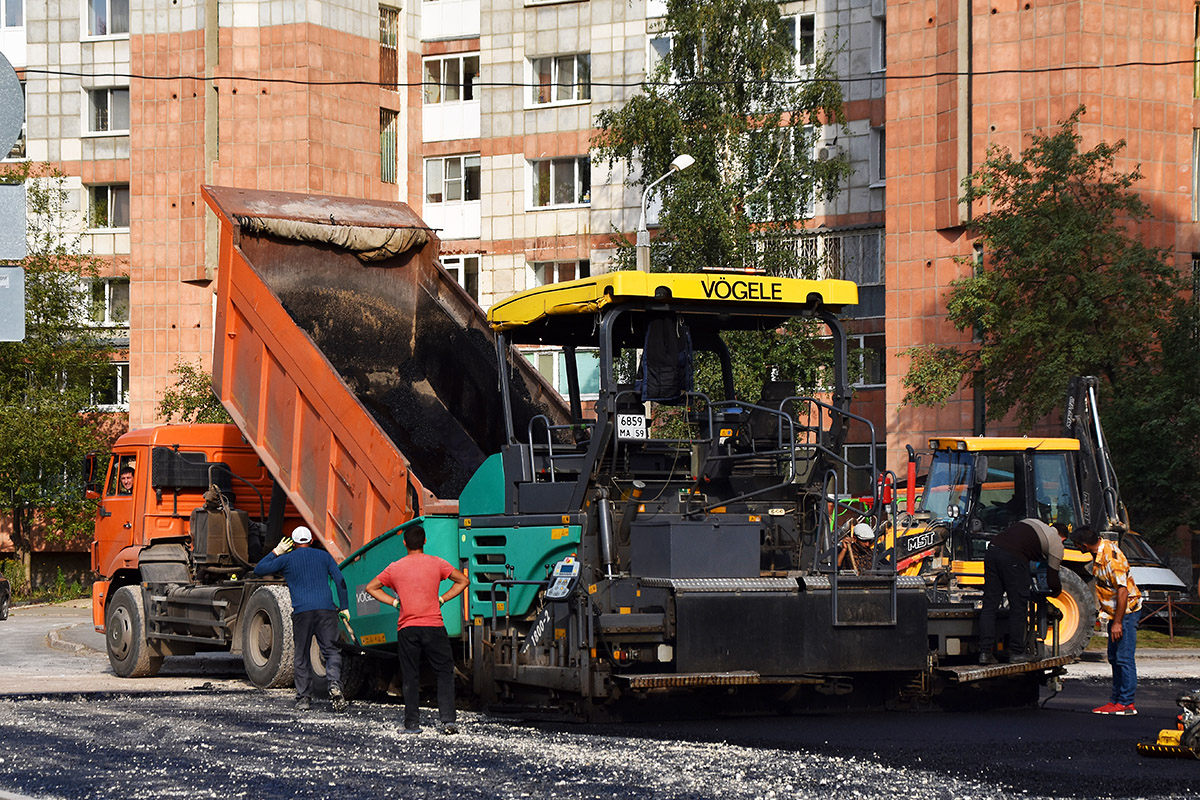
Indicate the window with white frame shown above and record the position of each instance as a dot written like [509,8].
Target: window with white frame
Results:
[14,13]
[465,270]
[560,182]
[547,272]
[450,79]
[792,143]
[879,43]
[561,79]
[452,179]
[657,49]
[109,302]
[802,31]
[878,156]
[552,364]
[867,352]
[108,110]
[108,205]
[110,387]
[389,47]
[107,17]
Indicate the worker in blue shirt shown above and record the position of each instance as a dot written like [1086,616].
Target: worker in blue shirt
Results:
[307,570]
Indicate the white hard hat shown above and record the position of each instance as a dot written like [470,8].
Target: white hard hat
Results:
[302,535]
[863,532]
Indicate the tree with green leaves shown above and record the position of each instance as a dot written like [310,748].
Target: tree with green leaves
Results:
[191,398]
[1065,287]
[46,380]
[728,93]
[1153,428]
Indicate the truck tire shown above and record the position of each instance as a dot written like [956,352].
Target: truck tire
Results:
[129,652]
[1078,606]
[357,677]
[4,608]
[268,650]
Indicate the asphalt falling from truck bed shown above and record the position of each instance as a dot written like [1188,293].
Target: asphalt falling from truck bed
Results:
[430,383]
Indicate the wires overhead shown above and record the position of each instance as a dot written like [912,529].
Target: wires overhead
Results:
[890,76]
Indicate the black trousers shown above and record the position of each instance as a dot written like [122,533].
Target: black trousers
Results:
[1004,573]
[324,625]
[434,644]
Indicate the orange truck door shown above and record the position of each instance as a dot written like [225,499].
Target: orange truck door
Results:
[115,529]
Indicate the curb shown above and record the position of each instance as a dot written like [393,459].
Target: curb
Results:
[55,640]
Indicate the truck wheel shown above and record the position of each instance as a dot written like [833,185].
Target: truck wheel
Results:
[125,635]
[268,651]
[357,677]
[4,608]
[1078,606]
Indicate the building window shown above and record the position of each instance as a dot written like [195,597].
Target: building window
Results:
[110,387]
[109,302]
[547,272]
[389,47]
[879,43]
[856,479]
[803,32]
[107,17]
[108,206]
[1196,175]
[108,110]
[450,79]
[878,156]
[657,49]
[14,14]
[552,364]
[867,353]
[561,182]
[387,145]
[857,257]
[465,270]
[561,79]
[1196,51]
[453,179]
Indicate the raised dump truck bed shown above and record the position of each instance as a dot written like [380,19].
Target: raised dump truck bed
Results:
[360,371]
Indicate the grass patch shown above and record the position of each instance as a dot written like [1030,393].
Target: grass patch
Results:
[1152,638]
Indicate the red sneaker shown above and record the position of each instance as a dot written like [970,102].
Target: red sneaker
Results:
[1125,711]
[1108,708]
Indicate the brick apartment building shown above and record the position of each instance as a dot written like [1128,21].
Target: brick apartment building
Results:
[478,113]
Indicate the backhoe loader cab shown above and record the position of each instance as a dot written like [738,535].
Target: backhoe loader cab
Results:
[978,486]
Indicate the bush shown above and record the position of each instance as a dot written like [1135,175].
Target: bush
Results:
[56,592]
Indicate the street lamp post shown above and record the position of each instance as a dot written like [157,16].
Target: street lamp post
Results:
[680,163]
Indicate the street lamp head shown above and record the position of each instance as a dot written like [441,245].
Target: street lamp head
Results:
[682,162]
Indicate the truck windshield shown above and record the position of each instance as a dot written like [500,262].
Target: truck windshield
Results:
[949,482]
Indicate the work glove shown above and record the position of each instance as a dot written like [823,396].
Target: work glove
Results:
[285,544]
[344,616]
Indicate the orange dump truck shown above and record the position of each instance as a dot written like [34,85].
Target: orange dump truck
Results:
[360,378]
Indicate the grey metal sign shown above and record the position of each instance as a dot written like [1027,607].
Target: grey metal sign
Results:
[12,107]
[12,304]
[13,244]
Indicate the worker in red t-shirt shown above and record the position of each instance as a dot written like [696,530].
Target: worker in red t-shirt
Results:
[415,580]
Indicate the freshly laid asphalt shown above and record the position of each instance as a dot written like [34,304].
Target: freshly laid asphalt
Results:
[69,728]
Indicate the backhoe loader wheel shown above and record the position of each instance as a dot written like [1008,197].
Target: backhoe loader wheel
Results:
[1078,606]
[129,652]
[268,650]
